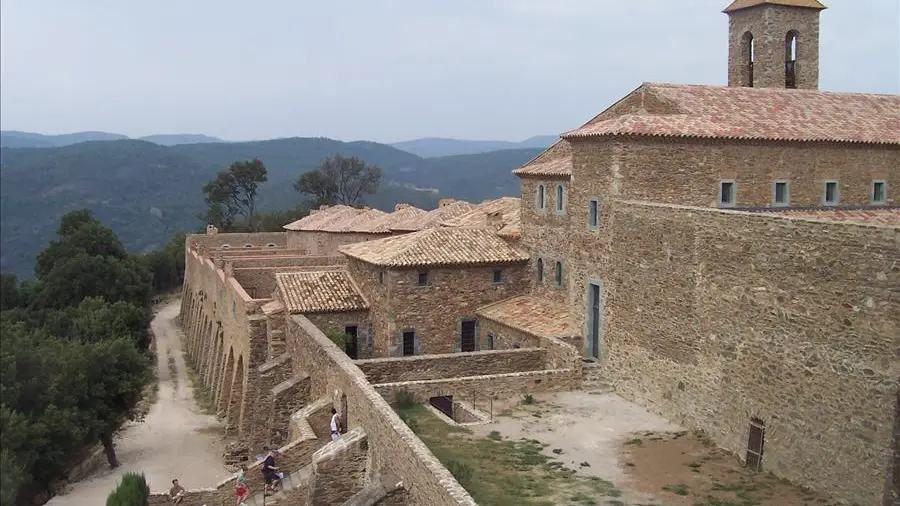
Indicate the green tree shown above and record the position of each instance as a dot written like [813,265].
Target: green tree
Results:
[166,265]
[96,320]
[273,221]
[233,193]
[339,180]
[9,292]
[83,275]
[131,491]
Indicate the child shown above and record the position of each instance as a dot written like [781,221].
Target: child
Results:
[240,486]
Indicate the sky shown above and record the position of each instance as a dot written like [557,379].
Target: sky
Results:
[381,70]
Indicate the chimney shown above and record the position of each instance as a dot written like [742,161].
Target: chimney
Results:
[211,230]
[400,205]
[445,202]
[495,220]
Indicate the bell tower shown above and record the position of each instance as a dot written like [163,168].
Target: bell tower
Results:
[774,43]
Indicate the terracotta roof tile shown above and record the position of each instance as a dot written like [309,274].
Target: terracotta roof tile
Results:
[437,246]
[320,218]
[319,292]
[743,4]
[751,113]
[382,224]
[434,217]
[507,209]
[879,217]
[533,315]
[556,161]
[355,223]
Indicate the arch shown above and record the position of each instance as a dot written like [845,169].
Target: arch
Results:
[748,58]
[559,273]
[273,245]
[235,399]
[791,52]
[210,360]
[225,388]
[248,245]
[540,270]
[218,364]
[225,246]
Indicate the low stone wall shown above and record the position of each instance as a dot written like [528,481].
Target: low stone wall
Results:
[422,367]
[559,354]
[257,240]
[491,385]
[286,261]
[394,448]
[339,469]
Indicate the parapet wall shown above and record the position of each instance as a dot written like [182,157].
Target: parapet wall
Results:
[394,448]
[429,367]
[256,240]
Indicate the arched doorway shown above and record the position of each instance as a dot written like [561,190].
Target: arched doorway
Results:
[236,399]
[224,390]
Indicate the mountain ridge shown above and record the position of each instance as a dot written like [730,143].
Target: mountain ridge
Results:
[20,139]
[429,147]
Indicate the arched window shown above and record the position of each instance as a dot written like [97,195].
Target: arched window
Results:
[226,246]
[540,270]
[540,196]
[559,197]
[559,277]
[748,57]
[248,245]
[790,59]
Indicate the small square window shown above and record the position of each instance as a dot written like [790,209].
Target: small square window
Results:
[879,195]
[727,193]
[423,278]
[498,276]
[782,195]
[831,193]
[594,214]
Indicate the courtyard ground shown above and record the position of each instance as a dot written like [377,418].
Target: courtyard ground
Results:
[577,448]
[175,440]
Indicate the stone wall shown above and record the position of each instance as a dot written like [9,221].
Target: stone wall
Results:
[434,311]
[490,386]
[544,233]
[259,282]
[235,241]
[393,447]
[340,321]
[339,469]
[727,316]
[326,243]
[286,261]
[391,370]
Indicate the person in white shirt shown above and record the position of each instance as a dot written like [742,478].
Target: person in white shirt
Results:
[335,425]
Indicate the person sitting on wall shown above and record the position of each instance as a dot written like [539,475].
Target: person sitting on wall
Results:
[335,425]
[176,493]
[270,472]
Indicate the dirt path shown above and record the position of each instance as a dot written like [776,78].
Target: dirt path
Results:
[176,439]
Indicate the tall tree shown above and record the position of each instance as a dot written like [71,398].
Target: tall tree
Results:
[340,180]
[233,193]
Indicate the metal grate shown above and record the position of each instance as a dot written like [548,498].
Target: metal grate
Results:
[756,444]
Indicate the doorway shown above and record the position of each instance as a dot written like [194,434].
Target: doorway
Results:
[595,324]
[351,346]
[756,444]
[409,343]
[467,335]
[345,416]
[444,404]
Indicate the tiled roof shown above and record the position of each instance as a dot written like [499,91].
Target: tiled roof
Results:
[743,4]
[320,218]
[509,209]
[878,217]
[533,315]
[356,223]
[556,161]
[382,224]
[319,292]
[437,246]
[434,217]
[749,113]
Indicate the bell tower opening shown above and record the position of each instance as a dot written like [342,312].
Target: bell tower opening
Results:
[774,43]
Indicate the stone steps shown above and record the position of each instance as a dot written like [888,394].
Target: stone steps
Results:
[592,379]
[297,479]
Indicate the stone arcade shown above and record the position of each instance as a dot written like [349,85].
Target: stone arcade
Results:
[728,257]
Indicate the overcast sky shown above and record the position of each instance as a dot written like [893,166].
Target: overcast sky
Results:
[383,70]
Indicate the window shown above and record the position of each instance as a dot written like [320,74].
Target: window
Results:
[540,197]
[226,246]
[271,245]
[380,277]
[423,278]
[781,195]
[559,274]
[490,339]
[498,276]
[727,191]
[248,245]
[879,195]
[593,214]
[540,270]
[409,343]
[560,194]
[831,193]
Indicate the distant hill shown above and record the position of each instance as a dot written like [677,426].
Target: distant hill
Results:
[176,139]
[16,139]
[428,147]
[146,191]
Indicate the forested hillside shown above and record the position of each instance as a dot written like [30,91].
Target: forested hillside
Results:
[146,192]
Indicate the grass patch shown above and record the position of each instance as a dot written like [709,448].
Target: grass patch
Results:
[635,442]
[528,399]
[503,472]
[173,371]
[679,489]
[203,395]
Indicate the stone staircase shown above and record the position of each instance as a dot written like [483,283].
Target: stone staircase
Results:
[296,481]
[592,380]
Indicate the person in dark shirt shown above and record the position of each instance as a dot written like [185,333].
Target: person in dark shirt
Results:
[270,472]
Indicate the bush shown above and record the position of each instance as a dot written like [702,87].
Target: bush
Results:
[409,421]
[404,399]
[337,337]
[462,472]
[527,399]
[132,491]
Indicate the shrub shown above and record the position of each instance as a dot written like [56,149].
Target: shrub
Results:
[527,399]
[337,337]
[409,421]
[132,491]
[462,472]
[404,399]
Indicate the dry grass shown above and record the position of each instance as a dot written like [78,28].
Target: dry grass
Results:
[203,395]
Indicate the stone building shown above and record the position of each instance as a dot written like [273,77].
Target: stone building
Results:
[725,256]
